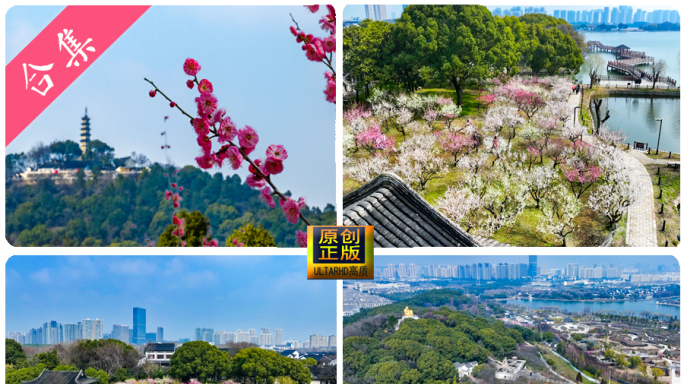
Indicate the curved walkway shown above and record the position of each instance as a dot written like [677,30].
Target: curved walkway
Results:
[641,224]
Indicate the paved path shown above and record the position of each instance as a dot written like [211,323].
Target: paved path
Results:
[645,160]
[641,224]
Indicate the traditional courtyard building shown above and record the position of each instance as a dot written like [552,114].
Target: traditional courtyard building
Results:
[62,377]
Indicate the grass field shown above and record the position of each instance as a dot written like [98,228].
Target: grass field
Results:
[669,184]
[562,367]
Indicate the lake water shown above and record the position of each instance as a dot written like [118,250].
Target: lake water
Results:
[661,45]
[577,306]
[636,117]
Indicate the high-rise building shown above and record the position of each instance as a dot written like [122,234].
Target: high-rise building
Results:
[72,332]
[204,334]
[151,337]
[85,133]
[615,16]
[278,336]
[532,270]
[318,341]
[369,12]
[332,341]
[121,332]
[160,334]
[564,14]
[402,271]
[266,339]
[93,329]
[139,325]
[380,11]
[606,15]
[231,337]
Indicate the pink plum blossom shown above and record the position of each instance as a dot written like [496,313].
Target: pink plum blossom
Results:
[312,8]
[205,86]
[301,239]
[201,125]
[227,130]
[255,181]
[234,157]
[191,67]
[206,104]
[266,197]
[248,137]
[210,243]
[277,152]
[291,210]
[272,166]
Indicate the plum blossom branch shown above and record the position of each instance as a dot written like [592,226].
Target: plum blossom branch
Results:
[212,122]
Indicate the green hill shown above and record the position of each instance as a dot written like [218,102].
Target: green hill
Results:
[127,211]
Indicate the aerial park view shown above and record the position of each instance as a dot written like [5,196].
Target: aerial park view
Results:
[469,126]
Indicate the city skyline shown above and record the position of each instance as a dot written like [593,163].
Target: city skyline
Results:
[218,292]
[552,262]
[255,92]
[354,11]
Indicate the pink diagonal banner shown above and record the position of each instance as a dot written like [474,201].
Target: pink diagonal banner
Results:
[57,56]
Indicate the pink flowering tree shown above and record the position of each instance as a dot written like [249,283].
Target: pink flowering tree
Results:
[580,174]
[455,144]
[222,143]
[430,116]
[486,100]
[374,140]
[321,49]
[529,102]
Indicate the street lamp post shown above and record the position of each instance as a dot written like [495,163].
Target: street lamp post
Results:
[574,115]
[659,130]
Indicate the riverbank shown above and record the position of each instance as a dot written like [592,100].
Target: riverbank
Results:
[578,301]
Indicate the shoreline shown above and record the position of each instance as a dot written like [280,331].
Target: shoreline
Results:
[589,301]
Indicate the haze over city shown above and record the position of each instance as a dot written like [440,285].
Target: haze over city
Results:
[178,293]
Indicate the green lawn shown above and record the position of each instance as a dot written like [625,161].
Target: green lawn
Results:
[669,183]
[562,367]
[471,107]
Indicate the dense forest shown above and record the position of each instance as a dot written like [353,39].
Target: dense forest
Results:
[129,211]
[457,46]
[451,329]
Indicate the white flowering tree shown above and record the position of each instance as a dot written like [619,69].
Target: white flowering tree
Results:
[539,179]
[456,203]
[559,208]
[418,161]
[368,168]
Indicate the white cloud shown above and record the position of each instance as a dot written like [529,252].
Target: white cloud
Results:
[42,276]
[133,267]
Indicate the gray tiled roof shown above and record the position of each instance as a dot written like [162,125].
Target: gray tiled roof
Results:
[62,377]
[160,347]
[401,217]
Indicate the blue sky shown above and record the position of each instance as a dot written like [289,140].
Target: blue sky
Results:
[260,75]
[551,261]
[351,11]
[179,293]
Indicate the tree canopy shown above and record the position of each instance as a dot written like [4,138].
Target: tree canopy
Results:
[127,210]
[199,360]
[455,45]
[13,352]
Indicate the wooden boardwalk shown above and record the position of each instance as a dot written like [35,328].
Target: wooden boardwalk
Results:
[628,61]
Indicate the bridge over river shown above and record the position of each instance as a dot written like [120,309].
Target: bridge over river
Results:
[628,62]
